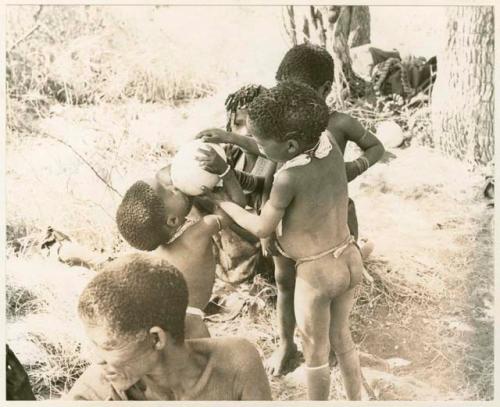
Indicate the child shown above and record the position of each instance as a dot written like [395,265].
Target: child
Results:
[240,146]
[153,216]
[313,65]
[254,173]
[308,209]
[133,312]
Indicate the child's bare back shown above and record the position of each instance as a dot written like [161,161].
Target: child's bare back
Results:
[192,253]
[316,219]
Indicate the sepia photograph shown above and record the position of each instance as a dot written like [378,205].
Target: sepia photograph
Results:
[249,202]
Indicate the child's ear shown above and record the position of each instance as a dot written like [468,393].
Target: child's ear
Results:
[325,89]
[163,176]
[292,146]
[172,221]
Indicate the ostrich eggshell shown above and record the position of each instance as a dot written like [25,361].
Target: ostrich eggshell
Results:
[390,134]
[186,173]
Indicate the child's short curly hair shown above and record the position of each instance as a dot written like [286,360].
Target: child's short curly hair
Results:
[134,293]
[306,63]
[290,110]
[141,216]
[241,99]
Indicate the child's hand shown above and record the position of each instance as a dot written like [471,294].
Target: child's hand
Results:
[268,246]
[216,136]
[211,161]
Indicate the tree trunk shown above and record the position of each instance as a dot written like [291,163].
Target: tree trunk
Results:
[463,96]
[337,28]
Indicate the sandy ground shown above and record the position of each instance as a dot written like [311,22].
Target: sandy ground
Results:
[431,227]
[432,301]
[432,232]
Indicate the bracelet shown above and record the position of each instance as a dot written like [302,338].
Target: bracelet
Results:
[225,172]
[362,164]
[358,167]
[365,161]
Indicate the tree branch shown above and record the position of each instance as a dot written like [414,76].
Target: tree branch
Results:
[85,162]
[31,31]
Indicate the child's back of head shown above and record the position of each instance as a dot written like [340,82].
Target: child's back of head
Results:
[307,63]
[290,110]
[140,217]
[151,212]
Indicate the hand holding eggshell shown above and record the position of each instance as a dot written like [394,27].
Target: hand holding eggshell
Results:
[186,171]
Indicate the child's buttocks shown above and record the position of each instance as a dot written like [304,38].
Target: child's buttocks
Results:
[332,276]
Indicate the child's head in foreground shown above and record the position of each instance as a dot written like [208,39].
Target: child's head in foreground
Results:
[133,311]
[151,211]
[287,120]
[237,107]
[309,64]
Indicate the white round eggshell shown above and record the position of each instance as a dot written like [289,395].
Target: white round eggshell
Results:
[186,173]
[390,134]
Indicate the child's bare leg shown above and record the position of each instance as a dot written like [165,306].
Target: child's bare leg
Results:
[342,343]
[312,310]
[284,270]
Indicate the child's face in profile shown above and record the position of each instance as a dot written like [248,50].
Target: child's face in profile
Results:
[278,151]
[239,122]
[176,202]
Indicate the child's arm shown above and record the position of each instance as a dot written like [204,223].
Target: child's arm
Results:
[209,225]
[233,187]
[206,205]
[218,136]
[352,130]
[265,224]
[267,244]
[212,162]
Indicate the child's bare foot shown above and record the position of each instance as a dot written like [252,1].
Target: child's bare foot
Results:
[277,363]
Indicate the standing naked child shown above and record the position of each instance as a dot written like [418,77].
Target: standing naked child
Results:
[307,208]
[313,65]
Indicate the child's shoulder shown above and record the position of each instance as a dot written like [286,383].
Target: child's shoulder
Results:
[285,177]
[340,120]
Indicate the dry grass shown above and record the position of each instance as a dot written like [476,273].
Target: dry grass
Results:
[42,328]
[416,286]
[77,92]
[150,53]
